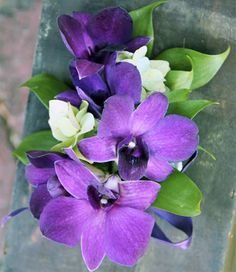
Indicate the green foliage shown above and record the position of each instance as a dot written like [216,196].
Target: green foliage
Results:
[143,22]
[179,195]
[203,66]
[42,140]
[189,108]
[178,95]
[46,87]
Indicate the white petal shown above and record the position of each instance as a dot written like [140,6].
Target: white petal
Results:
[71,116]
[57,109]
[131,61]
[82,111]
[151,79]
[87,123]
[161,65]
[67,128]
[56,132]
[140,53]
[143,64]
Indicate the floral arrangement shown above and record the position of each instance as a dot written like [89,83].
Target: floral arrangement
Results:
[121,138]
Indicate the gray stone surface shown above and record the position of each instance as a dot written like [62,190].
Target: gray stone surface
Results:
[208,26]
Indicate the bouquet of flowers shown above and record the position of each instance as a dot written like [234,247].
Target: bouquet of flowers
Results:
[121,138]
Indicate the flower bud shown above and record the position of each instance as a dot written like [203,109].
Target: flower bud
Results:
[67,121]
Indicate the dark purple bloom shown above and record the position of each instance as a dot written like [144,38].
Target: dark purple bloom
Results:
[122,79]
[96,38]
[41,174]
[70,96]
[144,140]
[108,218]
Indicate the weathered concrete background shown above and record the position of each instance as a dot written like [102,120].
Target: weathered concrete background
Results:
[18,31]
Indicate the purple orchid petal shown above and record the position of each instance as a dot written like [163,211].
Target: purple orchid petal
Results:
[184,224]
[75,36]
[70,96]
[36,176]
[175,138]
[95,88]
[8,217]
[111,60]
[44,159]
[39,199]
[128,233]
[93,107]
[98,149]
[158,169]
[137,42]
[148,113]
[86,68]
[124,79]
[74,177]
[115,117]
[71,154]
[138,194]
[62,220]
[54,187]
[111,26]
[132,162]
[86,76]
[82,17]
[93,241]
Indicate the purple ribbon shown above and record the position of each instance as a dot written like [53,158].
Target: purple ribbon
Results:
[10,215]
[179,222]
[189,161]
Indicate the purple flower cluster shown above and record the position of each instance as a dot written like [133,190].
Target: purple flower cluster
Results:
[95,41]
[108,215]
[73,205]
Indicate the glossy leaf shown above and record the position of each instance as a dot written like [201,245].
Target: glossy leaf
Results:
[42,140]
[177,80]
[143,22]
[46,87]
[204,66]
[189,108]
[179,195]
[178,95]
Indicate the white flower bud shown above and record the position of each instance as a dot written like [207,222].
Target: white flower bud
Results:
[67,121]
[152,72]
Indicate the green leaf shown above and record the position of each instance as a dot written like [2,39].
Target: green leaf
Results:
[189,108]
[179,195]
[42,140]
[46,87]
[207,152]
[143,22]
[204,66]
[177,80]
[178,95]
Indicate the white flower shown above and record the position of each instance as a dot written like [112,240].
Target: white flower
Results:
[152,72]
[67,121]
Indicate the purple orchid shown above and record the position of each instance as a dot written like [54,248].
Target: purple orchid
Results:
[96,38]
[41,174]
[97,87]
[144,140]
[108,218]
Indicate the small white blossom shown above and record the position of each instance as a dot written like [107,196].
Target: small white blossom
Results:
[67,121]
[152,72]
